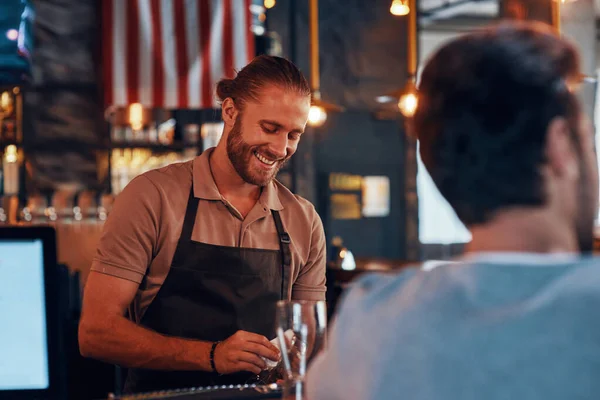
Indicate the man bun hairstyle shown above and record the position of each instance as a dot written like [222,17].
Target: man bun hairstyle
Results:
[262,71]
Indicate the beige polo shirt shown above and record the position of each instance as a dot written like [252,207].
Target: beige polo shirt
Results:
[140,236]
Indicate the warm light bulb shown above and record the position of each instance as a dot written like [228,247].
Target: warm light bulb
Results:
[11,155]
[317,116]
[5,101]
[269,3]
[399,8]
[136,116]
[258,30]
[12,34]
[408,104]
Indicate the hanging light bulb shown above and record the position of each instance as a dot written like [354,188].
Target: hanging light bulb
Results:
[269,4]
[12,34]
[317,116]
[408,104]
[136,116]
[399,8]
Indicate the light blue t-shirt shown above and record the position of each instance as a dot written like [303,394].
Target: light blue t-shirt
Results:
[518,327]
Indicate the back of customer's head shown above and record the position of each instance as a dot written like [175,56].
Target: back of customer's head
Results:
[501,129]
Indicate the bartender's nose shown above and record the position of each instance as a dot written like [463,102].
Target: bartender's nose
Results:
[279,147]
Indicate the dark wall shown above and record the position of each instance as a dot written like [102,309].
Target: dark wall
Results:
[356,143]
[363,55]
[362,48]
[63,111]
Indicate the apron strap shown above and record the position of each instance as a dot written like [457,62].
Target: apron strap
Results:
[284,239]
[187,229]
[190,216]
[286,253]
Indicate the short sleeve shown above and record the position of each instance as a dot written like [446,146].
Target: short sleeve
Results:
[310,284]
[129,237]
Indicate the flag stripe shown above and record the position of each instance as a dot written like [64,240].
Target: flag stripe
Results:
[132,49]
[158,72]
[216,48]
[146,55]
[249,35]
[192,37]
[227,39]
[168,35]
[118,58]
[171,53]
[240,53]
[181,57]
[205,40]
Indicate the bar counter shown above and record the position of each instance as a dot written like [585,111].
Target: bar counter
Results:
[211,392]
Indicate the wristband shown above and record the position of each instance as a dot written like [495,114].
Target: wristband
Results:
[212,356]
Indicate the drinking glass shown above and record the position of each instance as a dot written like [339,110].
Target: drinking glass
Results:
[301,334]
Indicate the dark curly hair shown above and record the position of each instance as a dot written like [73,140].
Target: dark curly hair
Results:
[485,102]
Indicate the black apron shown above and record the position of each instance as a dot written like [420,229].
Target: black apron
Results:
[210,293]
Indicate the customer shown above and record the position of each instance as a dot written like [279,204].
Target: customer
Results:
[505,140]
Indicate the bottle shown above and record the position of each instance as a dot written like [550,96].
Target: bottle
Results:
[341,256]
[1,180]
[10,165]
[191,134]
[9,131]
[3,216]
[152,133]
[117,134]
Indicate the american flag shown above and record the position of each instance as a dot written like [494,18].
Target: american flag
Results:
[171,53]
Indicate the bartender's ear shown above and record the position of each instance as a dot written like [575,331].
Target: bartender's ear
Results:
[229,112]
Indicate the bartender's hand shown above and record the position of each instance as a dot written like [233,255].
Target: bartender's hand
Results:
[242,351]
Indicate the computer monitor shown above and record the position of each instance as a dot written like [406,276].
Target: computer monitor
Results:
[28,313]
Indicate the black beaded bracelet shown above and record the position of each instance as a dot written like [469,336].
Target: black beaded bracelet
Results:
[212,357]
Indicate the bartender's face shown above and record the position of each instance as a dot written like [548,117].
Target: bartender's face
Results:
[266,134]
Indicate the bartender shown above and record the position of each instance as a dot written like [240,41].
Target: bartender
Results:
[195,255]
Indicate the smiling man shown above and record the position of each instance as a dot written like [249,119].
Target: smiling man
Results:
[197,254]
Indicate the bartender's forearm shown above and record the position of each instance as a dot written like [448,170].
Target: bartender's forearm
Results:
[137,347]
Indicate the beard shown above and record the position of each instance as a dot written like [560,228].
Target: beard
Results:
[240,154]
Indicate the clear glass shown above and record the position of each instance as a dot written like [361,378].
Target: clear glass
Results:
[301,334]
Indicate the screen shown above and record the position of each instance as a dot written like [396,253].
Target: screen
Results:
[23,333]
